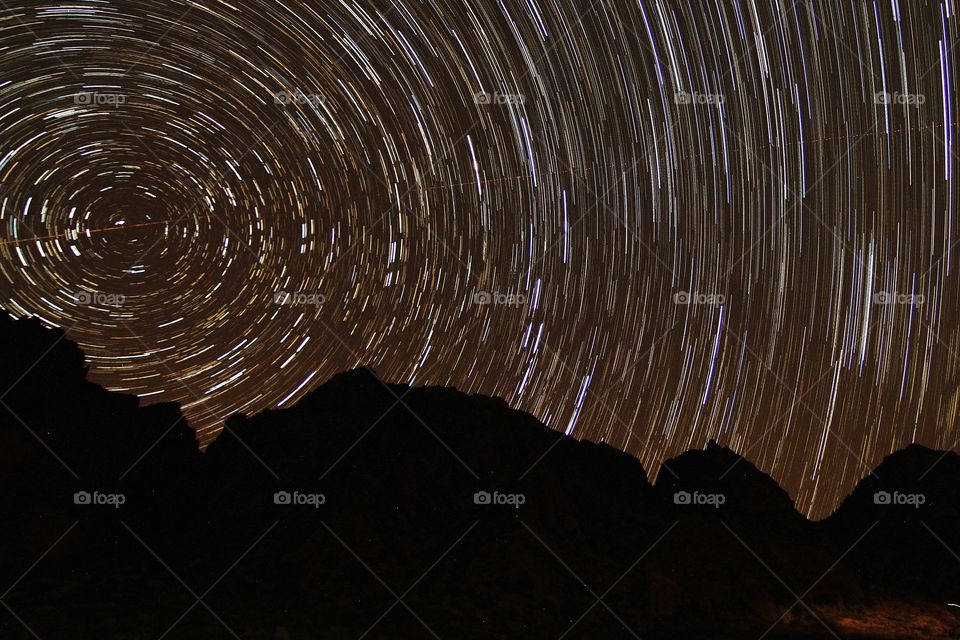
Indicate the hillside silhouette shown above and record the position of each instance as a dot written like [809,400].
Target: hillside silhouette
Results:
[377,510]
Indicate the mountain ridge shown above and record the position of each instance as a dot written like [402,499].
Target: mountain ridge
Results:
[327,510]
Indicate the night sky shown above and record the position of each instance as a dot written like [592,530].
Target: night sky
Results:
[650,223]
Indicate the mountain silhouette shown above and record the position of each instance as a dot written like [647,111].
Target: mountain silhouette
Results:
[912,500]
[379,510]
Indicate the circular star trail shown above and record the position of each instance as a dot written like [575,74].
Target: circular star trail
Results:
[648,223]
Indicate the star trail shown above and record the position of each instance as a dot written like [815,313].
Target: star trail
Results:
[649,223]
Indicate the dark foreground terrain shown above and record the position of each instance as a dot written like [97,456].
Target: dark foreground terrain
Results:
[371,510]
